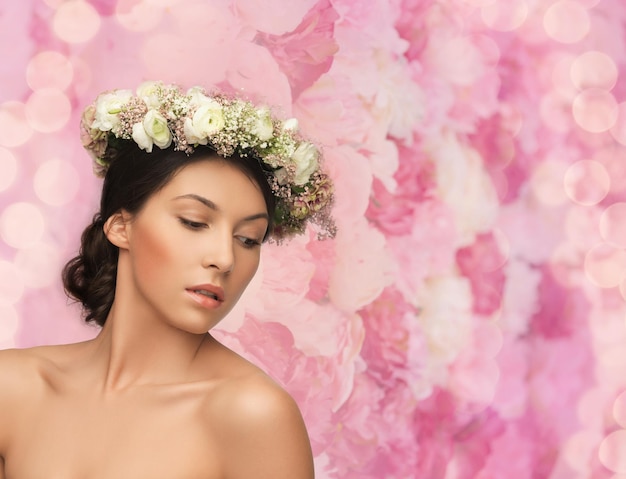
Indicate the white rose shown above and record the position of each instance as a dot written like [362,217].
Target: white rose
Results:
[208,119]
[305,159]
[148,92]
[290,125]
[196,96]
[141,137]
[193,136]
[156,127]
[108,107]
[263,127]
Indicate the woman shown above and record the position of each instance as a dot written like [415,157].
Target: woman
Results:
[193,184]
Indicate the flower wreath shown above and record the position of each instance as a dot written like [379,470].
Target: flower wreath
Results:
[163,115]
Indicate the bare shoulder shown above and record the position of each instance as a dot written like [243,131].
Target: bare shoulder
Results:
[18,381]
[18,371]
[260,429]
[24,374]
[27,377]
[27,368]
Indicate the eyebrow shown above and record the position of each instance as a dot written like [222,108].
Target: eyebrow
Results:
[212,206]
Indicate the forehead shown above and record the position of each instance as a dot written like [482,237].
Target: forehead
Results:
[218,180]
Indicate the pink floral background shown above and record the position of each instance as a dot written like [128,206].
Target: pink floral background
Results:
[468,321]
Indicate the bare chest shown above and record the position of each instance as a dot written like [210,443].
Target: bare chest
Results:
[149,436]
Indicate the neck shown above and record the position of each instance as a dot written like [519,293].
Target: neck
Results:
[133,350]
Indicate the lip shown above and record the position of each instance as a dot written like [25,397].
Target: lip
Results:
[206,301]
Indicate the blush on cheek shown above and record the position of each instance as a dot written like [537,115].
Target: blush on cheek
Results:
[154,248]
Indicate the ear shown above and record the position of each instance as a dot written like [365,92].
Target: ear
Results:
[117,229]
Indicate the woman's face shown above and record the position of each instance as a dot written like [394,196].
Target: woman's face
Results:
[195,245]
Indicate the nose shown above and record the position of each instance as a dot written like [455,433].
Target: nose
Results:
[219,253]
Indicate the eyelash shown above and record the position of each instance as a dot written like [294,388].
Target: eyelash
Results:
[249,242]
[194,225]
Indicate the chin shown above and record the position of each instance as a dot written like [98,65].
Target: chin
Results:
[200,327]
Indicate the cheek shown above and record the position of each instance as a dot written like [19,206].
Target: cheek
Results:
[155,249]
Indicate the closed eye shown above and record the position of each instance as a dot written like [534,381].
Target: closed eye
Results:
[193,225]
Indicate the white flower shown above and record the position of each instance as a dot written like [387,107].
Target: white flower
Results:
[281,176]
[149,93]
[207,120]
[108,107]
[141,137]
[156,127]
[305,159]
[446,325]
[192,135]
[290,125]
[466,187]
[263,127]
[196,96]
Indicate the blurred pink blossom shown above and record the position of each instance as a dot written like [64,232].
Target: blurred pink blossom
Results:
[555,383]
[104,7]
[274,16]
[393,348]
[464,186]
[561,311]
[372,442]
[513,454]
[255,73]
[330,109]
[306,52]
[520,296]
[393,210]
[475,374]
[361,253]
[427,251]
[353,181]
[511,395]
[282,288]
[481,264]
[447,325]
